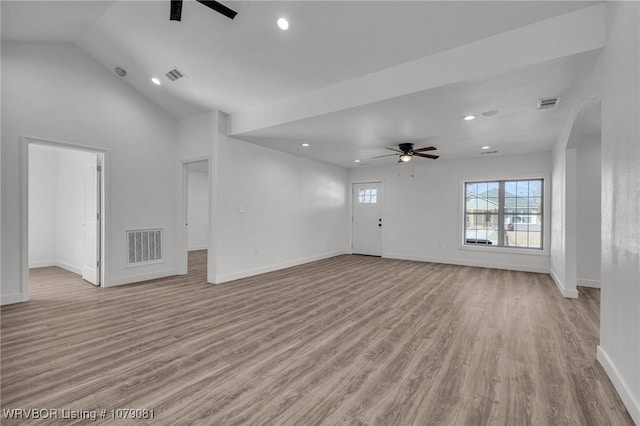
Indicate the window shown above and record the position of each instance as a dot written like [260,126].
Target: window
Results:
[368,195]
[504,213]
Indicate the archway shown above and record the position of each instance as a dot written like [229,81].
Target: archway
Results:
[582,225]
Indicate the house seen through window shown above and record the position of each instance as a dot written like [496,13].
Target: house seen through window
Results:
[504,213]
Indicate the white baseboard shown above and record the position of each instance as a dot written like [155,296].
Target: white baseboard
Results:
[270,268]
[461,262]
[633,406]
[11,298]
[583,282]
[568,293]
[131,279]
[70,268]
[196,248]
[63,265]
[42,264]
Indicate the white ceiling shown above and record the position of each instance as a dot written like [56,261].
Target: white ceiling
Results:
[239,65]
[434,117]
[63,21]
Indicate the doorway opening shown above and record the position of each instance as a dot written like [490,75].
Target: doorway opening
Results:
[583,201]
[197,213]
[366,230]
[588,211]
[64,215]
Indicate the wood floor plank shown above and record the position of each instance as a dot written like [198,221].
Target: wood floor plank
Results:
[348,340]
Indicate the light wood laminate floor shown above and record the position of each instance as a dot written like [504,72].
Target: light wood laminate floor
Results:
[347,340]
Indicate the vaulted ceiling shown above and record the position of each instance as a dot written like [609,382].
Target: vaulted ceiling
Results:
[351,77]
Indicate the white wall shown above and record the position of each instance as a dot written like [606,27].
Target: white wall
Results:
[588,211]
[422,213]
[563,254]
[198,210]
[197,141]
[42,207]
[616,79]
[55,91]
[294,210]
[619,349]
[196,136]
[276,210]
[56,209]
[70,208]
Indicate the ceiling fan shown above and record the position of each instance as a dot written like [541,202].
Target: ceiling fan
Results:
[407,152]
[176,9]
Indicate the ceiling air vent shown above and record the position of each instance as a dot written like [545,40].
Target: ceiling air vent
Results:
[175,74]
[548,103]
[495,151]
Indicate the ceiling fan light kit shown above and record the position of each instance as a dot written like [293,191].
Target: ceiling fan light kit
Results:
[407,152]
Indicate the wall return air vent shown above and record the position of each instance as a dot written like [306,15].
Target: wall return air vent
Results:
[549,103]
[144,246]
[175,74]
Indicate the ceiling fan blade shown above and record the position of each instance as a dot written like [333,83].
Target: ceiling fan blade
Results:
[380,156]
[219,7]
[394,149]
[428,148]
[433,157]
[176,10]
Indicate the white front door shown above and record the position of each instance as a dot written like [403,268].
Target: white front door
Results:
[91,223]
[367,218]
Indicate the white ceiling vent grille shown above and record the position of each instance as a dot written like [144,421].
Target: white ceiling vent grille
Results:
[144,246]
[548,103]
[175,74]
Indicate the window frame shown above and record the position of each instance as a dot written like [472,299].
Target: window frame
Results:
[545,217]
[367,198]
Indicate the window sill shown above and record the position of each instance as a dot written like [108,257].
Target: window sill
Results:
[505,250]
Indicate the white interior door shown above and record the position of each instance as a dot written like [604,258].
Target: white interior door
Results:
[367,218]
[91,222]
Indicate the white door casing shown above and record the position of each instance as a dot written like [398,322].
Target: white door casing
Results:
[367,218]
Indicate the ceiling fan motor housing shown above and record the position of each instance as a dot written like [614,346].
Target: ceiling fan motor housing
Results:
[406,147]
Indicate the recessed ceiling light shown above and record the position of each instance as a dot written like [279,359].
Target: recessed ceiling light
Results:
[304,144]
[156,81]
[469,117]
[486,147]
[356,161]
[283,24]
